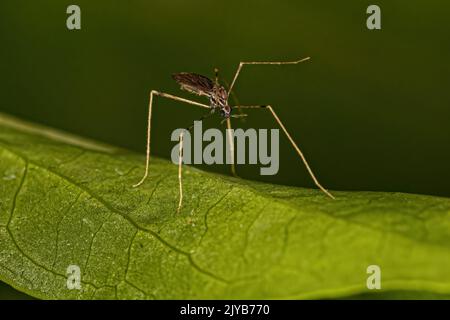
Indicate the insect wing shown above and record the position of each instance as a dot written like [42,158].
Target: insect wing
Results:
[194,83]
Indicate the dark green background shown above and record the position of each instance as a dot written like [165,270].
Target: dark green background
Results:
[371,109]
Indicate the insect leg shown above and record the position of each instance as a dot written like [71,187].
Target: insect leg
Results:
[230,137]
[149,122]
[231,146]
[216,76]
[235,99]
[241,64]
[180,163]
[299,152]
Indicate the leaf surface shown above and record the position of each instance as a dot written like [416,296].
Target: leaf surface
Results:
[65,201]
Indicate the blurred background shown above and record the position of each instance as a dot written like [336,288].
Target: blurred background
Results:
[371,109]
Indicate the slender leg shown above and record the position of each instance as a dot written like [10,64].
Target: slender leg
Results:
[230,138]
[216,75]
[235,99]
[180,163]
[261,62]
[299,152]
[150,105]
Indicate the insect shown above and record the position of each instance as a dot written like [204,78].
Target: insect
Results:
[218,101]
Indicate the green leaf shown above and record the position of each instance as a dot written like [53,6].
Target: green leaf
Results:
[66,201]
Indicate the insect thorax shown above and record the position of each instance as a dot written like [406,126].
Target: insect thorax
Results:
[219,99]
